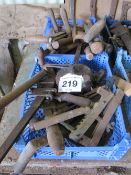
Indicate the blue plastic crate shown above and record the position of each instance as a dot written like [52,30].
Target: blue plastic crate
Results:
[118,143]
[122,66]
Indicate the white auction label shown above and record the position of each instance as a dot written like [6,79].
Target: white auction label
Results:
[70,83]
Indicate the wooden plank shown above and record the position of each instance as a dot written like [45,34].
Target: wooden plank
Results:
[6,67]
[73,167]
[11,114]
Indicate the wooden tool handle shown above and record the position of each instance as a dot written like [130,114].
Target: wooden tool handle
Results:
[89,54]
[62,42]
[28,152]
[123,85]
[54,136]
[94,31]
[55,139]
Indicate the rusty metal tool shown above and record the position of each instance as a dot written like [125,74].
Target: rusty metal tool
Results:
[54,135]
[94,31]
[61,117]
[113,8]
[5,147]
[123,85]
[93,7]
[123,32]
[70,128]
[125,7]
[91,116]
[108,113]
[57,36]
[26,155]
[53,20]
[4,101]
[62,42]
[64,17]
[77,100]
[109,34]
[40,91]
[78,52]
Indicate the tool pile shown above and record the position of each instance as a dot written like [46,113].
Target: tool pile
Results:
[78,103]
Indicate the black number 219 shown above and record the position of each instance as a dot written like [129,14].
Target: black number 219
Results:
[70,83]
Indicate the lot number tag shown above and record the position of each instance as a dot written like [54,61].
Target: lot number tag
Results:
[70,83]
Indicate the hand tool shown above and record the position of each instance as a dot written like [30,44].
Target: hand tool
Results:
[93,8]
[89,54]
[57,36]
[123,85]
[26,155]
[94,31]
[54,135]
[4,101]
[53,20]
[109,35]
[5,147]
[108,48]
[113,8]
[64,17]
[62,42]
[123,32]
[103,122]
[61,117]
[78,52]
[77,100]
[40,91]
[91,116]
